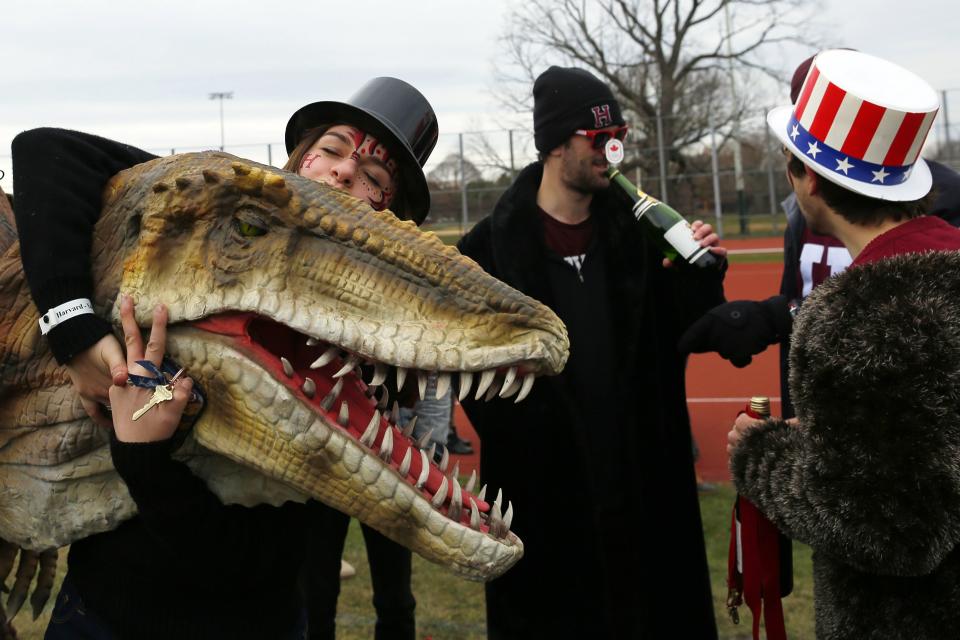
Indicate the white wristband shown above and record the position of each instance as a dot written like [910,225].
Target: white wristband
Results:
[64,312]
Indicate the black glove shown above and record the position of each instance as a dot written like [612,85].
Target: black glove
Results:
[739,330]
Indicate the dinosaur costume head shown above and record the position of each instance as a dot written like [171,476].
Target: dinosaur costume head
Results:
[278,289]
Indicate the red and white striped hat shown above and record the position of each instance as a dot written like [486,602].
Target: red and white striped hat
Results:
[860,122]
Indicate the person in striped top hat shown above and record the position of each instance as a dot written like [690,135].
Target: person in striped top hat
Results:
[867,473]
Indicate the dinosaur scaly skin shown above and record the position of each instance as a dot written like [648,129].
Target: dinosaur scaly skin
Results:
[252,264]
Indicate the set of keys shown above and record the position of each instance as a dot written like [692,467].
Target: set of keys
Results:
[161,392]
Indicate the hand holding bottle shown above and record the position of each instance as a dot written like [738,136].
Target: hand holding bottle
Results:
[705,236]
[696,243]
[743,424]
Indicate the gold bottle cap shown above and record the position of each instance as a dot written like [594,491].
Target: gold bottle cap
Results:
[760,405]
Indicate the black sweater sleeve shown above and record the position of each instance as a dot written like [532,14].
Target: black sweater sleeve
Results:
[59,178]
[186,518]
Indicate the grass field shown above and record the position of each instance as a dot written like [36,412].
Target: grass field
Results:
[451,608]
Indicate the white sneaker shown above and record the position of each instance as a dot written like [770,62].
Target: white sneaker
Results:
[347,570]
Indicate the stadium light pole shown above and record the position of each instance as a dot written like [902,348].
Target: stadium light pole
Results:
[221,96]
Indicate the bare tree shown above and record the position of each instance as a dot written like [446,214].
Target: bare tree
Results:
[446,174]
[666,58]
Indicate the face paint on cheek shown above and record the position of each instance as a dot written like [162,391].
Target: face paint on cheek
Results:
[308,160]
[369,147]
[381,203]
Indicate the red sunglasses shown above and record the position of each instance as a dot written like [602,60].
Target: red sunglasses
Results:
[599,137]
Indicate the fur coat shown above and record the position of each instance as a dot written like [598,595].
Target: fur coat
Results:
[871,477]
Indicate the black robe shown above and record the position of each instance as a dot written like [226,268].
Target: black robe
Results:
[597,460]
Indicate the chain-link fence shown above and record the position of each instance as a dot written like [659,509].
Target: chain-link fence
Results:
[473,170]
[468,172]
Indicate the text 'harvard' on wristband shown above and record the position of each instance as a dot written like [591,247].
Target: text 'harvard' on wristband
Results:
[64,312]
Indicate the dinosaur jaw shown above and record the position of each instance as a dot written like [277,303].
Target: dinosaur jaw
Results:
[342,450]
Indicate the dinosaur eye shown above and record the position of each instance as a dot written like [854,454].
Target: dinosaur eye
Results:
[248,229]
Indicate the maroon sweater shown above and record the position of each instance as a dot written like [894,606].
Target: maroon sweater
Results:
[926,233]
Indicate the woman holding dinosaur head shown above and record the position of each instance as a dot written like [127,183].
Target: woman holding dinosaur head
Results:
[142,579]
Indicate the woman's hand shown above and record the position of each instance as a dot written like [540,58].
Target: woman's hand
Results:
[93,371]
[160,421]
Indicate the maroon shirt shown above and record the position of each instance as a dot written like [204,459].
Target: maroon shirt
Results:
[566,240]
[926,233]
[819,258]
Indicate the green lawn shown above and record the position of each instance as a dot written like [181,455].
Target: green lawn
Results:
[448,607]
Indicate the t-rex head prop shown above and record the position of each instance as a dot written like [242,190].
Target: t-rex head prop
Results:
[278,290]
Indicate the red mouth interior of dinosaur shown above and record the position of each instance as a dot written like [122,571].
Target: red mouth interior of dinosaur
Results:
[266,341]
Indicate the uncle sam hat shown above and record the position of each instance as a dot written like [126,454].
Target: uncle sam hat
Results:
[860,122]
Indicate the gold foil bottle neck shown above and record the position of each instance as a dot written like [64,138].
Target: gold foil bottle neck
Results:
[760,405]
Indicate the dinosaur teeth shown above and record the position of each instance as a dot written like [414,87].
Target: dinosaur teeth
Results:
[491,392]
[379,374]
[444,459]
[472,482]
[401,377]
[500,525]
[405,464]
[485,379]
[408,430]
[441,494]
[326,358]
[499,501]
[466,381]
[312,342]
[497,529]
[422,384]
[510,376]
[370,434]
[424,439]
[474,516]
[348,366]
[456,470]
[456,501]
[443,385]
[344,418]
[287,367]
[433,451]
[527,386]
[457,491]
[386,446]
[424,470]
[482,496]
[509,390]
[384,401]
[327,403]
[395,413]
[309,387]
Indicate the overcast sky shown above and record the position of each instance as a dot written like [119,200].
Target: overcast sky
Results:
[141,71]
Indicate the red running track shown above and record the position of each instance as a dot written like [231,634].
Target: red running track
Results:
[716,390]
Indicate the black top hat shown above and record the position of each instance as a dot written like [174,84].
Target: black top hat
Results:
[396,114]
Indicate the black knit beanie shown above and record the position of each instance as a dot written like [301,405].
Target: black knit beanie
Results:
[566,99]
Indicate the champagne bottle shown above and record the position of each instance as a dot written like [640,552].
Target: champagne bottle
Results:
[663,224]
[760,561]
